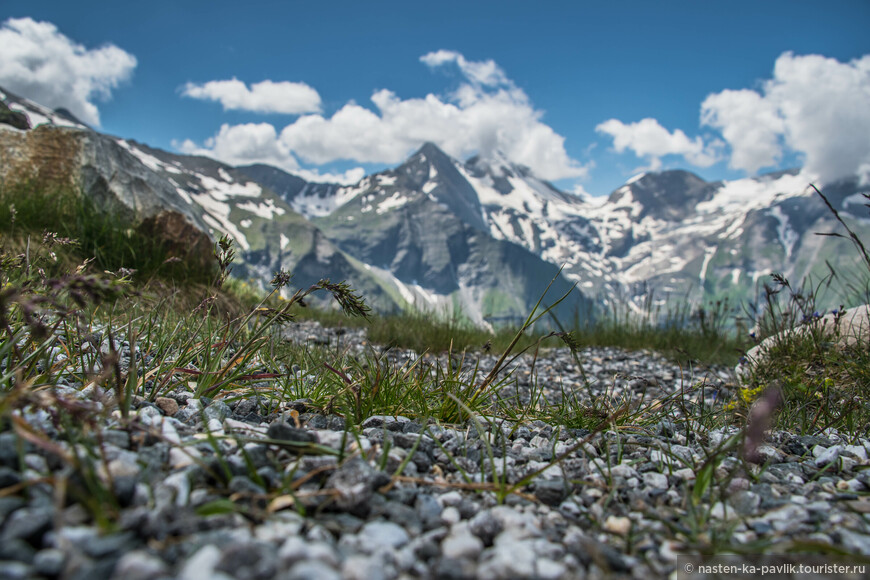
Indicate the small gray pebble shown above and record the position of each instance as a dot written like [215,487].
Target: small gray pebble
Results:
[281,431]
[49,562]
[309,570]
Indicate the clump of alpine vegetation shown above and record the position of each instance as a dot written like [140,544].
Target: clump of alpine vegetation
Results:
[158,421]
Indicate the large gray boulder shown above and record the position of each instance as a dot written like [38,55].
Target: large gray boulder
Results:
[103,169]
[845,329]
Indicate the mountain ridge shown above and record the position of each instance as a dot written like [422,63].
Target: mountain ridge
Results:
[437,272]
[439,233]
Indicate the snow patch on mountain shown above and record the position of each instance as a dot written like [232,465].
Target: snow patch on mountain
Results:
[39,115]
[183,193]
[319,200]
[223,191]
[266,210]
[412,293]
[787,236]
[709,252]
[395,201]
[741,195]
[147,160]
[217,216]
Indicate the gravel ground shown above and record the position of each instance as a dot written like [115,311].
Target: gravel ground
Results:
[621,503]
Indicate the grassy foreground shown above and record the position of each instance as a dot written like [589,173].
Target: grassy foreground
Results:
[66,321]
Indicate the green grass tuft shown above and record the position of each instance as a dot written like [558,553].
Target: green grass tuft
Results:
[107,238]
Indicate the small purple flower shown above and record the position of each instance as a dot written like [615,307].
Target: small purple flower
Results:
[817,314]
[743,360]
[752,335]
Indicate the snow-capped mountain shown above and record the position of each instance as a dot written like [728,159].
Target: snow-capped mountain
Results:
[422,226]
[670,231]
[450,270]
[484,236]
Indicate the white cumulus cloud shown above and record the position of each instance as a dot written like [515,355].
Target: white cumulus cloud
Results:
[487,112]
[750,124]
[263,97]
[244,144]
[649,140]
[816,106]
[258,143]
[485,72]
[37,61]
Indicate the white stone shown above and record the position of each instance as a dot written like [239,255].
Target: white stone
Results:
[508,559]
[855,542]
[617,525]
[170,434]
[180,458]
[295,549]
[550,570]
[461,543]
[450,515]
[786,517]
[655,480]
[179,482]
[279,526]
[858,451]
[451,498]
[363,568]
[851,485]
[722,511]
[623,470]
[201,565]
[686,474]
[257,431]
[140,564]
[662,458]
[828,456]
[309,569]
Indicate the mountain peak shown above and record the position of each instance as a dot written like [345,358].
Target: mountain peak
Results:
[497,165]
[669,194]
[430,150]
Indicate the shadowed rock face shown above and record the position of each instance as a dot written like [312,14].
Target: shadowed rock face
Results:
[14,118]
[114,179]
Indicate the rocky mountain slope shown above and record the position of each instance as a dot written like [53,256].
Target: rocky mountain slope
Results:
[422,226]
[483,236]
[669,232]
[456,270]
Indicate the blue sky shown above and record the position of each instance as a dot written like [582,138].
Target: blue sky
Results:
[585,93]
